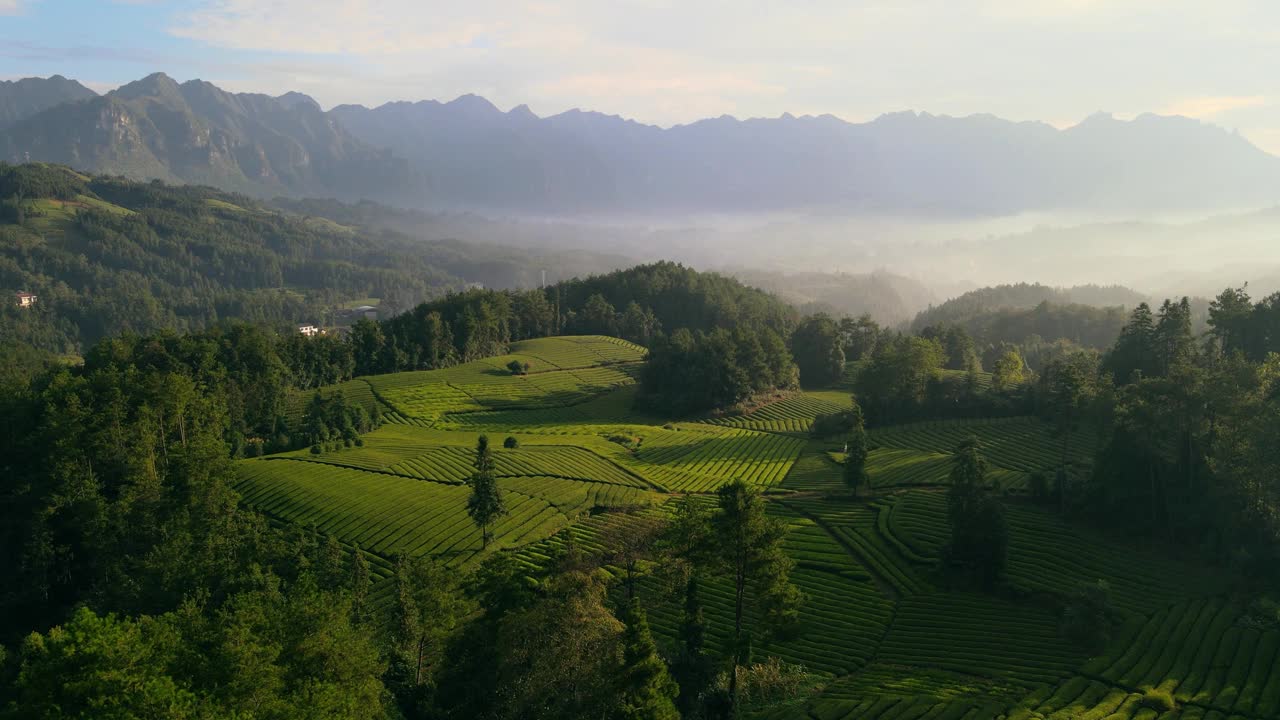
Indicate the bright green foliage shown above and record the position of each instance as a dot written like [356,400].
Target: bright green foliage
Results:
[104,667]
[1009,371]
[392,515]
[485,504]
[263,654]
[795,414]
[893,383]
[646,691]
[560,657]
[957,346]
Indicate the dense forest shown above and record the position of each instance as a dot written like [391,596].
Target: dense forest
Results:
[173,599]
[735,430]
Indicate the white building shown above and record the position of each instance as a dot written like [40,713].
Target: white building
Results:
[26,299]
[308,330]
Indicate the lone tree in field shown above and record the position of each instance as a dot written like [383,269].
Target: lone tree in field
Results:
[748,545]
[855,453]
[979,534]
[485,504]
[1009,372]
[647,691]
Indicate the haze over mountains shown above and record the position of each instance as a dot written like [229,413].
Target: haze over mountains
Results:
[467,154]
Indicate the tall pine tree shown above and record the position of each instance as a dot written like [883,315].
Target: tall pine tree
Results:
[692,668]
[979,535]
[485,504]
[855,453]
[647,691]
[748,544]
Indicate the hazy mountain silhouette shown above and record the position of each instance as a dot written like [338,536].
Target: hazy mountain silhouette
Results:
[480,157]
[468,154]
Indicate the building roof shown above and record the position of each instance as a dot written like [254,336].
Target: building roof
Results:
[23,293]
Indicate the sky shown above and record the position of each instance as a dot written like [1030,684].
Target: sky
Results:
[673,61]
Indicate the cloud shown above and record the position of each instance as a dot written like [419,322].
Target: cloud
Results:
[11,7]
[1207,107]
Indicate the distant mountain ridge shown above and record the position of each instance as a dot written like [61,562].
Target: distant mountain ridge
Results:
[20,99]
[196,133]
[467,154]
[482,158]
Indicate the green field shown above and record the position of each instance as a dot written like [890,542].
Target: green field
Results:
[880,630]
[794,414]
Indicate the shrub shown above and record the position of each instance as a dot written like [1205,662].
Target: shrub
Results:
[511,443]
[359,442]
[1158,700]
[315,449]
[627,441]
[834,424]
[518,368]
[1262,614]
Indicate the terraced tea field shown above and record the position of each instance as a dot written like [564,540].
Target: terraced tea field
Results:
[1202,653]
[563,371]
[1048,555]
[793,415]
[1013,447]
[882,632]
[357,391]
[387,514]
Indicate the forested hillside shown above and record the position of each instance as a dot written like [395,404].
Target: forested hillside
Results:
[1089,316]
[508,533]
[107,256]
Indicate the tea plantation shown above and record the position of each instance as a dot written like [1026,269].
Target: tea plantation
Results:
[882,634]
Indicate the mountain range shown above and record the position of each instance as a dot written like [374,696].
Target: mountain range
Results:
[468,154]
[196,133]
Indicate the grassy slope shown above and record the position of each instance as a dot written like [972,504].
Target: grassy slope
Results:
[879,630]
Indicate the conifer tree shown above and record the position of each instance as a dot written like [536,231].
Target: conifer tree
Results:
[485,504]
[330,571]
[855,457]
[979,534]
[647,691]
[360,580]
[748,544]
[692,668]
